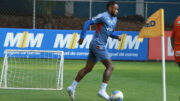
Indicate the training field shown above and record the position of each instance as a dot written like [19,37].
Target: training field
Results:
[139,81]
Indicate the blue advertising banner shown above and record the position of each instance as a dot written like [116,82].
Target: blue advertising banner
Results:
[129,48]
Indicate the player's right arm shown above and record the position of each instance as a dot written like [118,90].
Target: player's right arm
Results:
[85,27]
[94,20]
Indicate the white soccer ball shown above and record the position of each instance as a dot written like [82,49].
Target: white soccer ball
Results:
[117,95]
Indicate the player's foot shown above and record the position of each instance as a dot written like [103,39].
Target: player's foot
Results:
[71,93]
[104,95]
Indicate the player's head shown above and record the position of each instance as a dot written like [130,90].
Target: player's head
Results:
[112,8]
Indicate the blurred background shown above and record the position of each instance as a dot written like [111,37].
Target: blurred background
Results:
[71,14]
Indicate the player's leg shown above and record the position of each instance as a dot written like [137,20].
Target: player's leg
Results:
[91,61]
[71,89]
[103,55]
[88,68]
[108,71]
[177,56]
[178,63]
[106,76]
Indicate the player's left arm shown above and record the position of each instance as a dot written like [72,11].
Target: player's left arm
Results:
[115,36]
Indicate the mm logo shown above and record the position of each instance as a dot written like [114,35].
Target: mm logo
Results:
[127,42]
[23,40]
[70,41]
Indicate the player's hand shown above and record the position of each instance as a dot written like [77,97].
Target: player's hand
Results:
[119,38]
[80,41]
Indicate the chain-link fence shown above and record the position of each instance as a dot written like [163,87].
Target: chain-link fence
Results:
[71,14]
[16,14]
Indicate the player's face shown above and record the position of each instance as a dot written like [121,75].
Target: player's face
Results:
[114,10]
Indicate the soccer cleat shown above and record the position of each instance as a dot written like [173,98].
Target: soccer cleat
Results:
[104,95]
[71,93]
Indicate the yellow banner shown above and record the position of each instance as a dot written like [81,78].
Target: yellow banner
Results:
[154,26]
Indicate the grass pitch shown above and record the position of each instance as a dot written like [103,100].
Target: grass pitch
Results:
[139,81]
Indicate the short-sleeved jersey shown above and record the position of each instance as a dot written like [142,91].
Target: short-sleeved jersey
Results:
[176,36]
[105,26]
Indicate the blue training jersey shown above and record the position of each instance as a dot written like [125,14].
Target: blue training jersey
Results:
[105,27]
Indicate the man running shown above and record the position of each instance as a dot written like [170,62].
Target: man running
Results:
[106,23]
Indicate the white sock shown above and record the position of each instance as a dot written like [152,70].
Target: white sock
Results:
[74,84]
[103,86]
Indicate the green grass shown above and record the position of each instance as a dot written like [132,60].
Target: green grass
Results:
[139,81]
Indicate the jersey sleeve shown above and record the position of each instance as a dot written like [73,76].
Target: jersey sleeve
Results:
[85,27]
[98,18]
[113,35]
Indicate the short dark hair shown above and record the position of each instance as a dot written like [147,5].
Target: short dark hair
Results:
[111,3]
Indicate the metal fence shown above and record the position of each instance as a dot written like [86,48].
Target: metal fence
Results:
[71,14]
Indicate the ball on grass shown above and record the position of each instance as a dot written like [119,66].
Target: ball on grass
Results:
[117,95]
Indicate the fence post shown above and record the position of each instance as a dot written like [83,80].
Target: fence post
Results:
[90,11]
[146,11]
[34,14]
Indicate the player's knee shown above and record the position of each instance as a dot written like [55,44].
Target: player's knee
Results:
[111,67]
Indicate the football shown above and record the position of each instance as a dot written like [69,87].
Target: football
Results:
[117,95]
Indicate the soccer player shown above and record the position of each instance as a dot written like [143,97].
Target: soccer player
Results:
[175,40]
[106,23]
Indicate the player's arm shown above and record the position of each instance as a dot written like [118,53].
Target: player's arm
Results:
[172,40]
[94,20]
[173,36]
[85,27]
[115,36]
